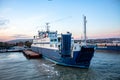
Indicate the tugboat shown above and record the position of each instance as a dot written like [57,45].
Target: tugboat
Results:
[61,48]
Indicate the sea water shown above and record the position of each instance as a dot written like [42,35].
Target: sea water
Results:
[14,66]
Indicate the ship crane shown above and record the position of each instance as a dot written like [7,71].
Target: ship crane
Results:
[85,21]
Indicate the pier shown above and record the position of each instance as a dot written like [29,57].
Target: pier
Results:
[31,55]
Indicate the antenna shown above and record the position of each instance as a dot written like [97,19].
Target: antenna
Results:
[47,27]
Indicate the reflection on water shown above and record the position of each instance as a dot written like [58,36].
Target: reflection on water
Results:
[14,66]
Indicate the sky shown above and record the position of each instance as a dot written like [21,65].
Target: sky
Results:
[21,19]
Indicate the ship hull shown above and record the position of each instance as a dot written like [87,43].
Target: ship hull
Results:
[78,59]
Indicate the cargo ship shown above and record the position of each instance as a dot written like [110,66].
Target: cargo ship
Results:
[114,46]
[61,48]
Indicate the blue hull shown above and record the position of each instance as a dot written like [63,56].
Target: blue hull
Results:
[79,59]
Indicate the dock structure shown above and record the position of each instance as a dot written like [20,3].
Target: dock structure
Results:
[31,55]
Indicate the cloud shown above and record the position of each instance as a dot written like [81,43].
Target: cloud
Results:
[21,36]
[3,21]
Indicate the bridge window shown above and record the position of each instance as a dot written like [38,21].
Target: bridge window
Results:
[51,40]
[59,39]
[55,40]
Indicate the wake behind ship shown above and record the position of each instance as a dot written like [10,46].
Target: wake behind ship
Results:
[61,48]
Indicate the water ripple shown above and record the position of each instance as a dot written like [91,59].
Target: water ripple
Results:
[14,66]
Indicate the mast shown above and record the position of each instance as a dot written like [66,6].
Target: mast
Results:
[85,21]
[47,27]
